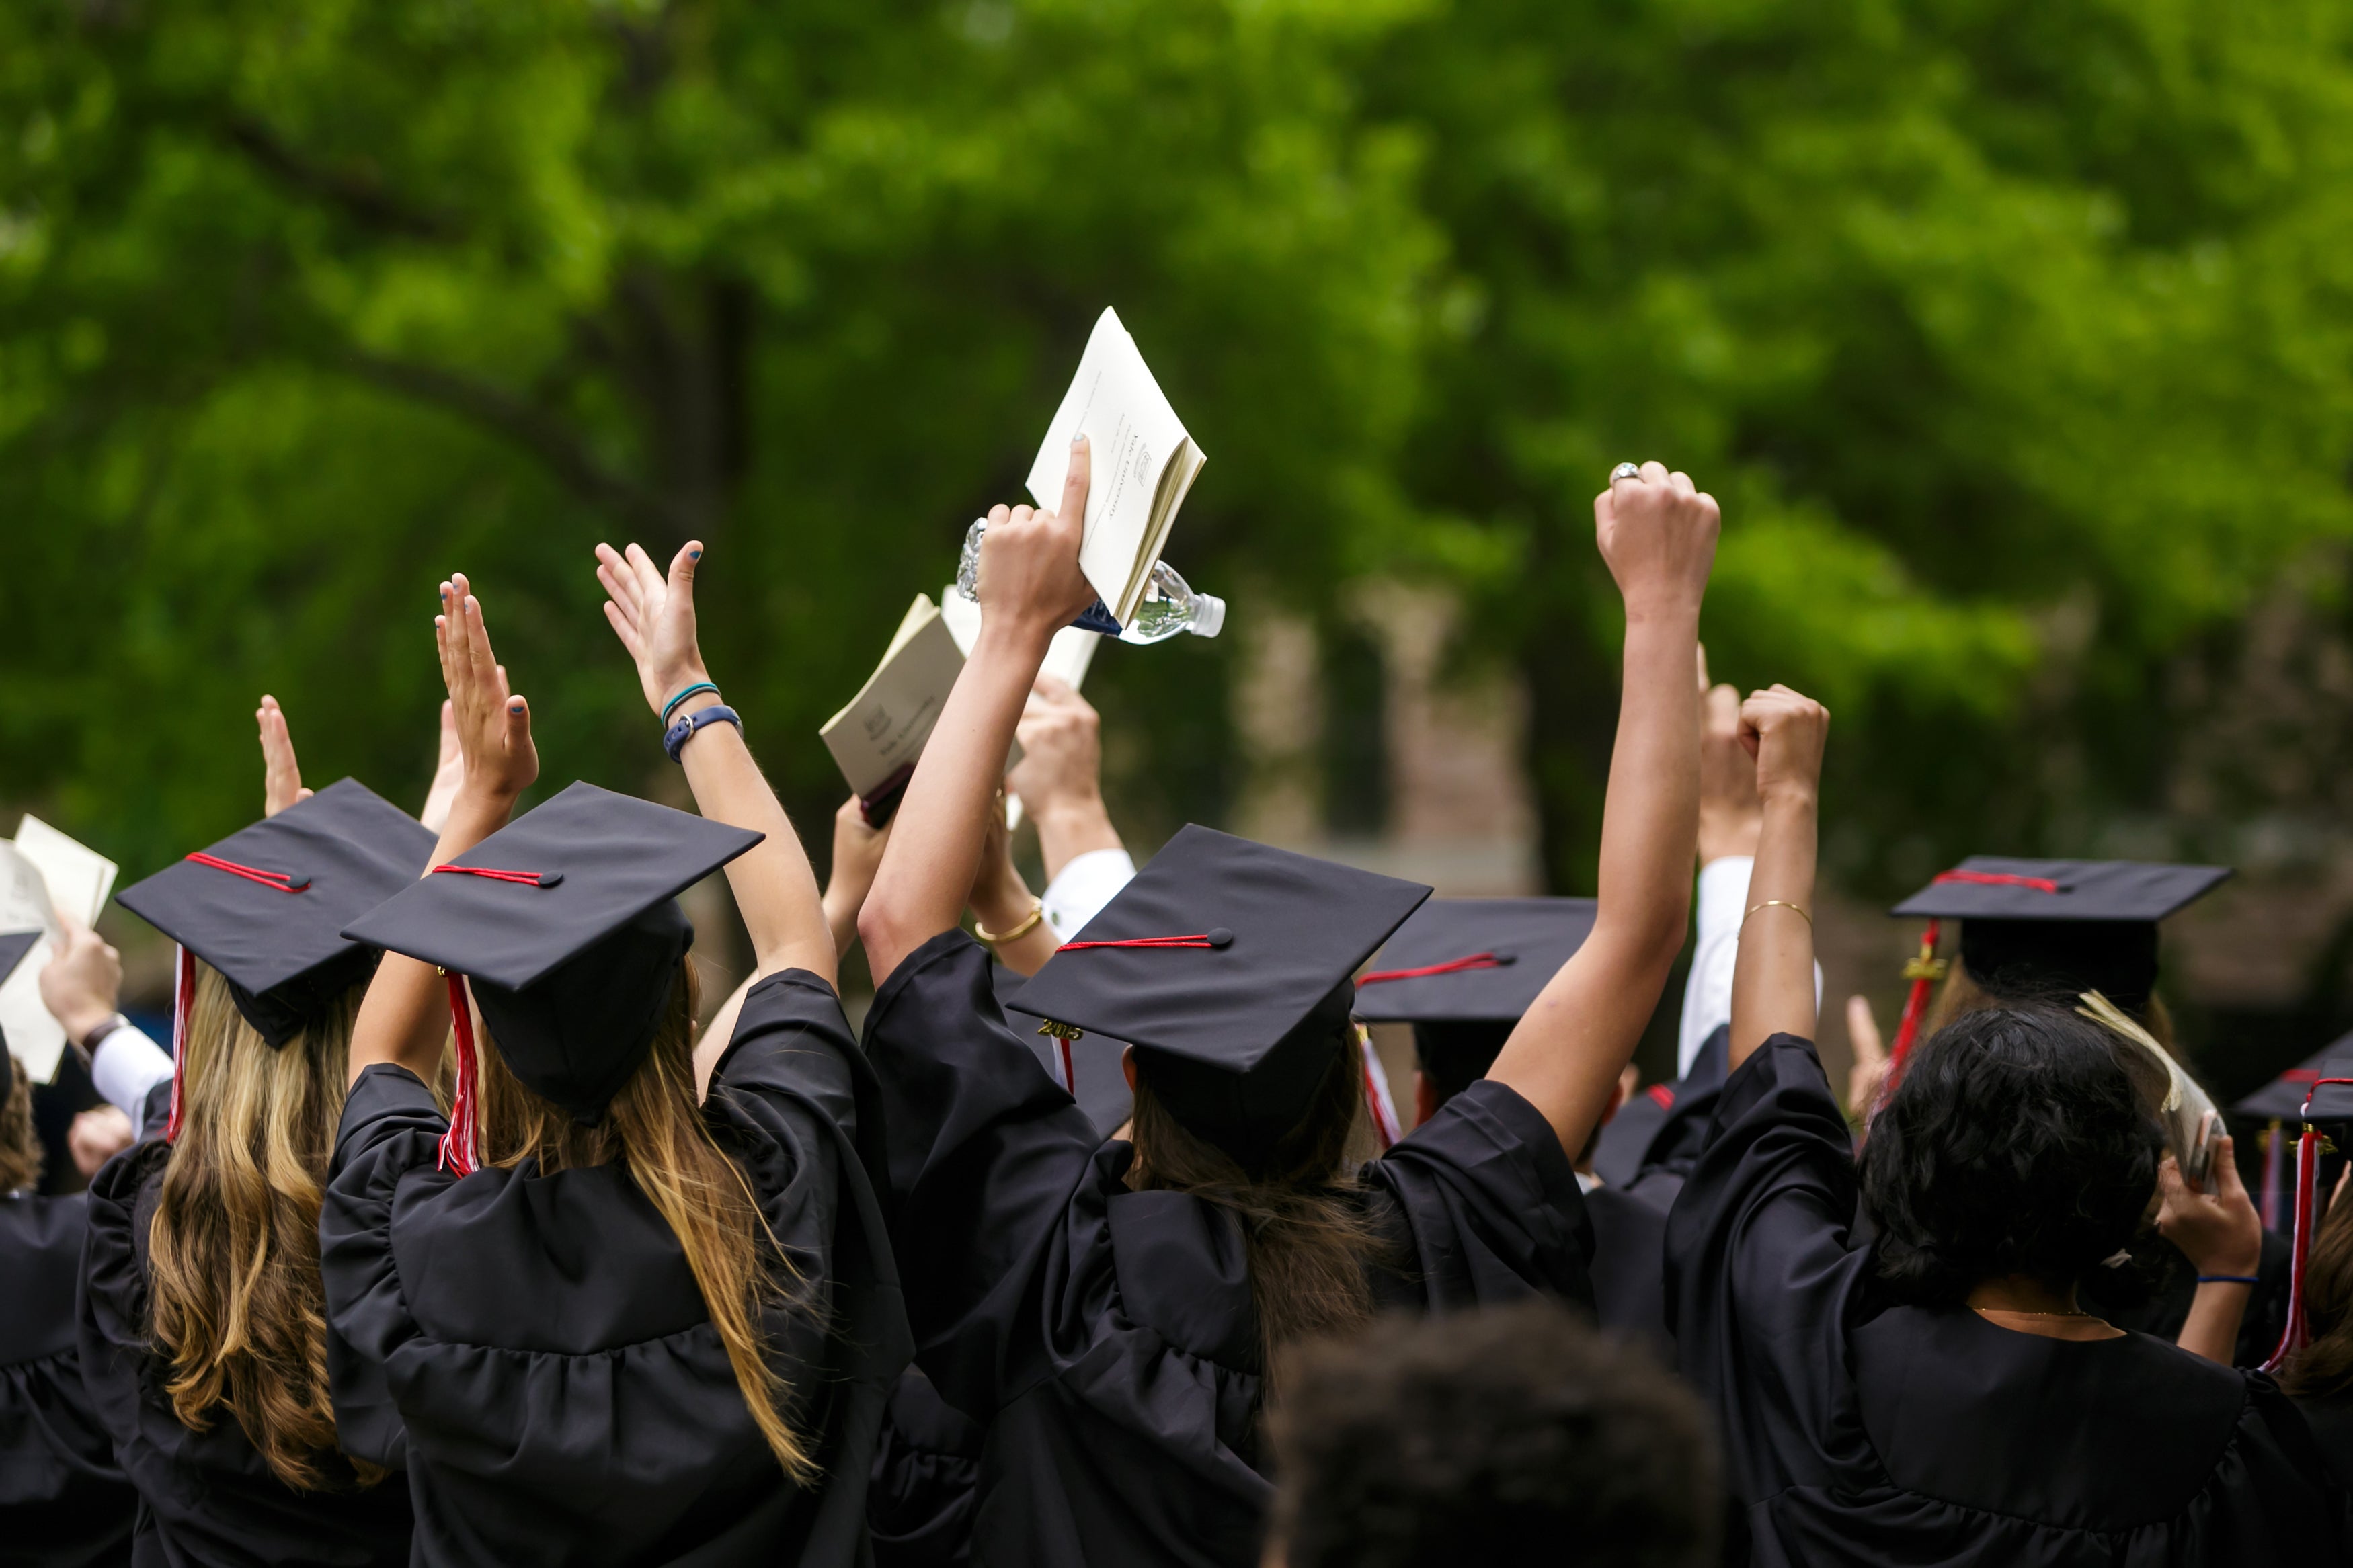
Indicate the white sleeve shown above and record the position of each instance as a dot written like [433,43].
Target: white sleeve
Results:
[1087,883]
[1707,995]
[127,1066]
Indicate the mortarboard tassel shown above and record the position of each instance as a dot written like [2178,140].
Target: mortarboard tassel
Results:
[183,1002]
[1924,970]
[1376,1091]
[459,1144]
[2298,1333]
[283,881]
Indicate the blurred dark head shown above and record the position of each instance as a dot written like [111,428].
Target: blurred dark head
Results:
[1513,1434]
[1455,1053]
[2015,1144]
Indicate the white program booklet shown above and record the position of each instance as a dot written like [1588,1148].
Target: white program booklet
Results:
[42,873]
[1144,462]
[79,877]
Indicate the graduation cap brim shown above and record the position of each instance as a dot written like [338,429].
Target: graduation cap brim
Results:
[1507,950]
[2284,1096]
[578,868]
[1288,930]
[1102,1089]
[348,849]
[2003,887]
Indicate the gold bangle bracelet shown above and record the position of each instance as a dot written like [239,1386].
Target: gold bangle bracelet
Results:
[1037,914]
[1782,903]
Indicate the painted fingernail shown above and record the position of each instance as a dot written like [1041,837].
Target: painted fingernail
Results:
[694,555]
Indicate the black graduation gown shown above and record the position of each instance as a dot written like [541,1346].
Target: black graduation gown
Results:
[204,1497]
[2167,1308]
[536,1351]
[63,1500]
[1106,1338]
[1861,1433]
[1629,1238]
[926,1473]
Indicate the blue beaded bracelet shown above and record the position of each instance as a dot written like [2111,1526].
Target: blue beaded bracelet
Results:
[2228,1279]
[670,706]
[675,738]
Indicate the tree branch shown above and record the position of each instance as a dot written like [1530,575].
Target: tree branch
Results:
[546,437]
[358,196]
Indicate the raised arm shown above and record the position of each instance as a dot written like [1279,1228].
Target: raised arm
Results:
[1031,587]
[1773,982]
[406,1016]
[1059,776]
[775,890]
[1657,532]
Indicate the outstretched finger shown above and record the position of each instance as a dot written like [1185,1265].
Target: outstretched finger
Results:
[1863,1031]
[619,580]
[625,631]
[2222,1170]
[650,580]
[682,573]
[1076,479]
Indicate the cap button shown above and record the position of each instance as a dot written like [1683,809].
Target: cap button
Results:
[549,878]
[1505,958]
[1221,937]
[296,882]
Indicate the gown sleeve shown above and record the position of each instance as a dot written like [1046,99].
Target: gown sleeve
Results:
[1491,1201]
[1760,1268]
[985,1153]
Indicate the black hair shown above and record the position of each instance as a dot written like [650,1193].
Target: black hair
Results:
[1513,1434]
[2013,1144]
[1455,1053]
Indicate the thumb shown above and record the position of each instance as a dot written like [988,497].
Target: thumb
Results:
[682,566]
[1074,483]
[2222,1172]
[517,722]
[1863,1031]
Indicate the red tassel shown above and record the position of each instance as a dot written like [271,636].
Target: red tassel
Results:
[281,880]
[1376,1091]
[1199,939]
[1923,972]
[183,1002]
[459,1144]
[1452,965]
[2307,1168]
[1999,879]
[1069,1073]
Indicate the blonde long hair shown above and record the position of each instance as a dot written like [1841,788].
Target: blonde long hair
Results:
[236,1302]
[655,1130]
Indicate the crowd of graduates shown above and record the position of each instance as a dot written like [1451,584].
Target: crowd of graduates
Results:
[457,1224]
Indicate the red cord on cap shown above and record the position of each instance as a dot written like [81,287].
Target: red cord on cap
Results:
[284,882]
[458,1144]
[1218,937]
[1452,965]
[183,1002]
[528,878]
[1999,880]
[2298,1333]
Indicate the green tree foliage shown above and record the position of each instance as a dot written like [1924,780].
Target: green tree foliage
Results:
[2013,337]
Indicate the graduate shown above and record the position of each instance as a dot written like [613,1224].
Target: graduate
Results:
[1937,1395]
[600,1318]
[202,1340]
[2316,1364]
[2041,931]
[1461,972]
[63,1498]
[1116,1314]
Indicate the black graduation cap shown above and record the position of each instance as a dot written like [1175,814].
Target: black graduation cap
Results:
[1462,971]
[566,922]
[267,905]
[1228,965]
[2031,927]
[2284,1096]
[1092,1061]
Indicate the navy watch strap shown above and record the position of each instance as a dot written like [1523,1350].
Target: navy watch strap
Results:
[675,738]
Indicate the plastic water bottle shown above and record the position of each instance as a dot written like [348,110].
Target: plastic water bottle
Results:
[1169,605]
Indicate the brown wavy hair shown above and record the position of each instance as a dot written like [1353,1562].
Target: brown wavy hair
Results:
[1306,1231]
[20,1150]
[655,1129]
[2326,1365]
[235,1301]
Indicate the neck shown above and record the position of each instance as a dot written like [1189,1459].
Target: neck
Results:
[2019,1293]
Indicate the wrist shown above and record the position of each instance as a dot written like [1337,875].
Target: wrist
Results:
[664,692]
[81,1023]
[1670,608]
[1791,799]
[1725,831]
[1005,903]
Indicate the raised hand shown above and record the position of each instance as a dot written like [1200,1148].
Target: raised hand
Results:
[857,855]
[98,1135]
[2215,1225]
[1059,776]
[1867,1076]
[492,723]
[82,980]
[282,776]
[1029,573]
[1657,531]
[1729,812]
[654,617]
[1782,731]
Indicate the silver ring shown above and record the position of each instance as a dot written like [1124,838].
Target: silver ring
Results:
[1626,471]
